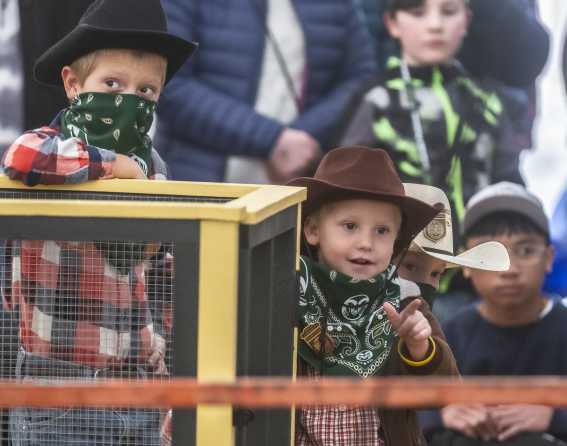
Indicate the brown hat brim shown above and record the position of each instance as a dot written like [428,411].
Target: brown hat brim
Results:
[416,213]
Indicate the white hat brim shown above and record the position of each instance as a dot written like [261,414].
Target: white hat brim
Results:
[488,256]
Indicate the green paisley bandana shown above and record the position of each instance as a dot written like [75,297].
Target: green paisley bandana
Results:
[359,336]
[118,122]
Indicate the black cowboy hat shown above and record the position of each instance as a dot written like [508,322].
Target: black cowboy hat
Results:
[115,24]
[362,172]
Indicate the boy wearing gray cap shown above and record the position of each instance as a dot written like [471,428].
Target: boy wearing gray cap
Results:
[514,330]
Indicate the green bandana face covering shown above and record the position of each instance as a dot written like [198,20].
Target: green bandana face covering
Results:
[118,122]
[358,336]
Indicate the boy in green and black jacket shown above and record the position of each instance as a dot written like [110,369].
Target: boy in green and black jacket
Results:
[438,125]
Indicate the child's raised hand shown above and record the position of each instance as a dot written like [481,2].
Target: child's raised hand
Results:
[125,167]
[412,328]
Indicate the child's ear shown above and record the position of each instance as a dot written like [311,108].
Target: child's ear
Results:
[466,272]
[392,25]
[311,231]
[470,16]
[71,82]
[549,256]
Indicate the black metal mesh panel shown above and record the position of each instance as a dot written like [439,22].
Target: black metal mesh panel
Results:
[31,194]
[77,309]
[87,311]
[8,347]
[97,301]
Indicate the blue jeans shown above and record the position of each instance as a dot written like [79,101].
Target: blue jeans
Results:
[82,426]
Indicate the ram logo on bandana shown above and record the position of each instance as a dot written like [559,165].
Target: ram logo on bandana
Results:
[354,307]
[342,324]
[365,356]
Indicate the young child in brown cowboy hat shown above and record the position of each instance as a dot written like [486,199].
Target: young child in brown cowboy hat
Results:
[83,310]
[356,317]
[431,252]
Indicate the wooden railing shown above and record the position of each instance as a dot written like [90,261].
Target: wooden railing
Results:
[273,392]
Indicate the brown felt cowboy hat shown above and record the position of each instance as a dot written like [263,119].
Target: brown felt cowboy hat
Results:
[115,24]
[362,172]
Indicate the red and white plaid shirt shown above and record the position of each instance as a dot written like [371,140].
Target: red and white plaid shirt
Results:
[337,425]
[73,304]
[44,156]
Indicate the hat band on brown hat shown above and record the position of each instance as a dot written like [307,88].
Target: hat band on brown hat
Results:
[362,172]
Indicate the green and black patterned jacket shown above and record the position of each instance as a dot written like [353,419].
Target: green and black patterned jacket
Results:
[464,126]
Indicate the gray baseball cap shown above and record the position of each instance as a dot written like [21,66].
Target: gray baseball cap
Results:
[505,197]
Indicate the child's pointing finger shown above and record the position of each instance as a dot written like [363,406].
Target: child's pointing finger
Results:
[393,315]
[396,319]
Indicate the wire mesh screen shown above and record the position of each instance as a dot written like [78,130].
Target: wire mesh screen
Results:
[83,311]
[88,299]
[117,196]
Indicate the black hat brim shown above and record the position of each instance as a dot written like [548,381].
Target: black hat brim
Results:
[85,39]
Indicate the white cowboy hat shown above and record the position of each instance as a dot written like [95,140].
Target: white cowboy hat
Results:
[436,240]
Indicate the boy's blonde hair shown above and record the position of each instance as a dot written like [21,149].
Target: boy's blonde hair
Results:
[85,65]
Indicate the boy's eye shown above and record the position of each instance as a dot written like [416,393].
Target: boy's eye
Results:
[523,251]
[449,10]
[349,226]
[416,12]
[146,90]
[111,83]
[382,230]
[411,267]
[435,274]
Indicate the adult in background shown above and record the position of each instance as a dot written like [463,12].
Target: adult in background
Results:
[267,86]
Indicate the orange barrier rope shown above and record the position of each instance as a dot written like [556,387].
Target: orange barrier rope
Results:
[274,392]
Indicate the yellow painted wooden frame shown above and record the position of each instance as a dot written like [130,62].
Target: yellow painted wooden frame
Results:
[247,204]
[218,262]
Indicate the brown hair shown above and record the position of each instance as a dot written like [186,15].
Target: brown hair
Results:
[393,6]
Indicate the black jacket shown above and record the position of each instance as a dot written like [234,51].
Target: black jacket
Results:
[505,42]
[42,23]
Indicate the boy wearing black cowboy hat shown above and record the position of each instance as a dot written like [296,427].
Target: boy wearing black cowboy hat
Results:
[113,66]
[83,312]
[357,318]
